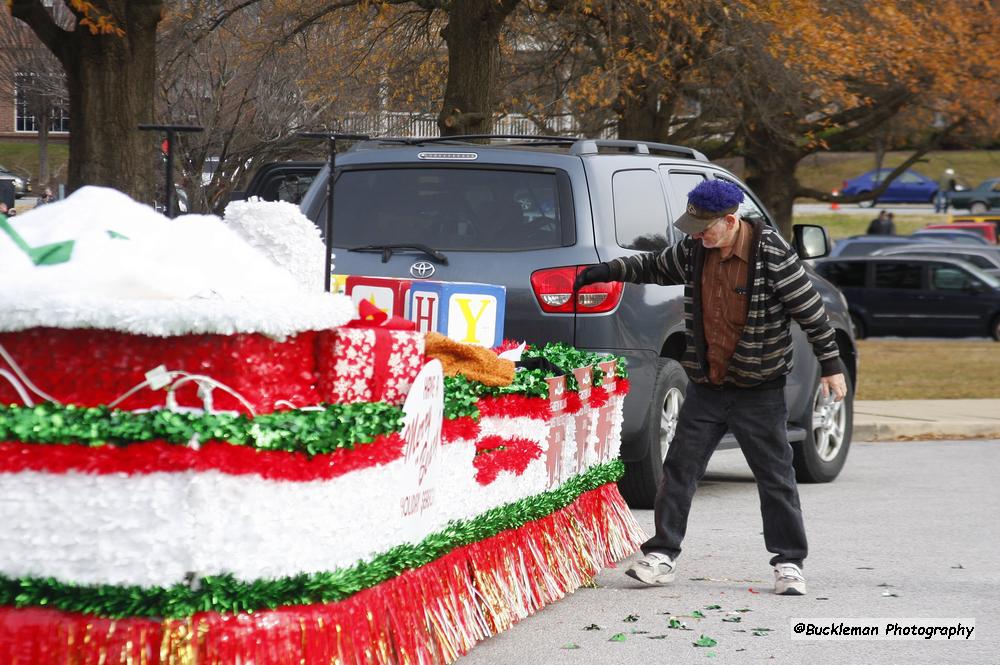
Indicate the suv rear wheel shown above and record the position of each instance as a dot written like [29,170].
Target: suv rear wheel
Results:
[642,477]
[821,456]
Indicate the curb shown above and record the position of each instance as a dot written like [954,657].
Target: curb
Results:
[927,430]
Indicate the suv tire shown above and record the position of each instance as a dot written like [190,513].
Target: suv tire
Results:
[642,477]
[978,208]
[821,456]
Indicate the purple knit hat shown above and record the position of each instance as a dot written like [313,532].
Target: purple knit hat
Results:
[707,202]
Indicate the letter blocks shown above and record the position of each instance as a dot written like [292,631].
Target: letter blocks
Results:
[389,294]
[466,312]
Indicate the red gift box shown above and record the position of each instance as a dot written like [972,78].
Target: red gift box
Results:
[368,364]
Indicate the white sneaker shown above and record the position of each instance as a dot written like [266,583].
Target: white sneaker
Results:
[654,568]
[788,580]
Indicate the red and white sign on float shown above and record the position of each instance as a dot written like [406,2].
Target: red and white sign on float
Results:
[582,418]
[423,416]
[607,433]
[557,433]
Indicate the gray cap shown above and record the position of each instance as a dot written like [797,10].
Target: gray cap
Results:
[695,219]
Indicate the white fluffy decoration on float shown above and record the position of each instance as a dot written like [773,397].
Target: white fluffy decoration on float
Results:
[136,271]
[281,232]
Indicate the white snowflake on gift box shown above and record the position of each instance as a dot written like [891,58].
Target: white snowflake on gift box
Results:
[343,366]
[342,386]
[360,387]
[396,366]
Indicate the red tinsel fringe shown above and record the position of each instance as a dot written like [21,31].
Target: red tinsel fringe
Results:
[495,454]
[157,456]
[459,429]
[432,614]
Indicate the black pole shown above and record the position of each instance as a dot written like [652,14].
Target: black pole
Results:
[331,140]
[169,175]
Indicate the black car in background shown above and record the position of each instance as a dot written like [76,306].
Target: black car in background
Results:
[916,296]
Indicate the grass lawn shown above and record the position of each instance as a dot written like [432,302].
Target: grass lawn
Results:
[828,170]
[843,226]
[24,157]
[928,369]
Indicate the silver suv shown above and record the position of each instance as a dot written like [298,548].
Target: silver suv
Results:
[528,213]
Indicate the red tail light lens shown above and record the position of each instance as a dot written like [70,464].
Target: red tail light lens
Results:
[553,289]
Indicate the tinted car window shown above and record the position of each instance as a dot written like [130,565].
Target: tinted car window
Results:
[680,184]
[749,209]
[844,275]
[640,211]
[897,276]
[950,278]
[450,208]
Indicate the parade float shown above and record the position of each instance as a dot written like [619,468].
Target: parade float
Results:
[206,459]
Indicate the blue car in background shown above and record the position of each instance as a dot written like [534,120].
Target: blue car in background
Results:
[909,187]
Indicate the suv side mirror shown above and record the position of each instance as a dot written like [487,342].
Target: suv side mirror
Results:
[811,241]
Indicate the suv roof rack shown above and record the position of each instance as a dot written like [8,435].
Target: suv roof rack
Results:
[467,138]
[593,147]
[575,144]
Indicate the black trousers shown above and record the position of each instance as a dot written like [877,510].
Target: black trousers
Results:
[757,419]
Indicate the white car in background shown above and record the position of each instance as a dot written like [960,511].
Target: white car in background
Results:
[22,185]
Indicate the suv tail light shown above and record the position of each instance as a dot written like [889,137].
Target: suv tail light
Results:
[553,289]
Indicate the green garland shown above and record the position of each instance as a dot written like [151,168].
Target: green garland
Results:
[322,431]
[461,394]
[224,593]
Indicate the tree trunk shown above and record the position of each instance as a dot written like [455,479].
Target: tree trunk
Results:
[636,111]
[111,83]
[473,38]
[42,122]
[771,175]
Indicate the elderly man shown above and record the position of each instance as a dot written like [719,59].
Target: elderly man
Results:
[742,285]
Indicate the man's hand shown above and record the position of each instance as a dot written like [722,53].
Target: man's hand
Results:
[835,385]
[599,273]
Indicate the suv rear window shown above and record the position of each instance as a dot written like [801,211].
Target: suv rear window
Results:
[452,208]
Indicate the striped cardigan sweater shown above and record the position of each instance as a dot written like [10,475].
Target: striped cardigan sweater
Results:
[780,291]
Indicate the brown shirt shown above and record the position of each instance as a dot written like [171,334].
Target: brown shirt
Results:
[724,300]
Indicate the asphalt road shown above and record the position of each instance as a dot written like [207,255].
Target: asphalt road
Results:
[908,530]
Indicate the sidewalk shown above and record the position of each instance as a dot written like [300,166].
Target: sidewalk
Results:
[933,418]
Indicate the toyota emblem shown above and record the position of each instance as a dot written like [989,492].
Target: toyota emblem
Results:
[422,269]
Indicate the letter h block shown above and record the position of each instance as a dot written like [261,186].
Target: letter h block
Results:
[464,311]
[389,294]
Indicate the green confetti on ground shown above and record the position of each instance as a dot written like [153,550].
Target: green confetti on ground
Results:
[617,637]
[631,618]
[676,624]
[697,614]
[705,641]
[732,619]
[744,609]
[638,632]
[571,645]
[657,637]
[713,607]
[592,626]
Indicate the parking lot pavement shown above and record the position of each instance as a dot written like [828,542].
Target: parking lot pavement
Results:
[908,530]
[885,420]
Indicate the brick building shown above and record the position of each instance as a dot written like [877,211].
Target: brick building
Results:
[16,120]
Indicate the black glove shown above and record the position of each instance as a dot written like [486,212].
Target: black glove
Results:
[599,273]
